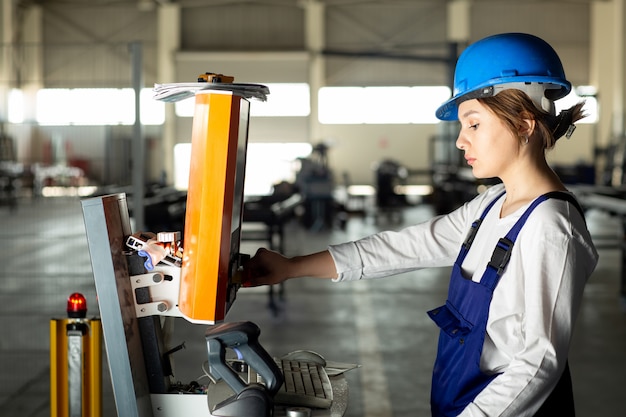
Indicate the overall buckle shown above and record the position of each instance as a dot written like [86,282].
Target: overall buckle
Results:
[501,255]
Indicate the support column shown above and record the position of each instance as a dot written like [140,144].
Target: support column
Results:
[457,35]
[607,66]
[6,44]
[315,40]
[20,55]
[29,69]
[600,76]
[138,144]
[458,29]
[619,51]
[168,43]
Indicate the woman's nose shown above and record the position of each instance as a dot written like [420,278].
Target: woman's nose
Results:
[461,142]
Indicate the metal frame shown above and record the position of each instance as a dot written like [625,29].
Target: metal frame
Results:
[106,223]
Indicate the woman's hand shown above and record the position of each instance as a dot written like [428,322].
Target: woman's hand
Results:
[266,267]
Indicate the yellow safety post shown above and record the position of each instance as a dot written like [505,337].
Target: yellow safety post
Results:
[76,362]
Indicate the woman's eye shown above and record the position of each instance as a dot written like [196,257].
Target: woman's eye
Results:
[474,126]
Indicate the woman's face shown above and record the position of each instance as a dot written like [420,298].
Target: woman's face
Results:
[489,146]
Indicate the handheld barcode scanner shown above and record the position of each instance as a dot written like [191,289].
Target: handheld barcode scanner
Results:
[250,399]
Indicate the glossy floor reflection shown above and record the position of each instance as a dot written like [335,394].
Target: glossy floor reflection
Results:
[380,324]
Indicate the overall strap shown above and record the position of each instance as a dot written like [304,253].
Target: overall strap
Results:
[502,252]
[562,195]
[474,229]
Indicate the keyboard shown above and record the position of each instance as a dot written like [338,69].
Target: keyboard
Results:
[306,384]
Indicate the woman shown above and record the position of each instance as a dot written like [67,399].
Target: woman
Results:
[521,252]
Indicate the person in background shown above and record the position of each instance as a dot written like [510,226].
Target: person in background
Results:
[520,252]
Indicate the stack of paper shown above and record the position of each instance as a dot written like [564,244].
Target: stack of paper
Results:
[178,91]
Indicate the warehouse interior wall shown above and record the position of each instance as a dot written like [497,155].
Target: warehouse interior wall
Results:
[323,43]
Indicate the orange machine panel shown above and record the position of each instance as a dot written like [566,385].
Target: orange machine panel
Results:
[214,199]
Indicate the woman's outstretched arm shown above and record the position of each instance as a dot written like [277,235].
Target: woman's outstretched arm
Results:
[268,267]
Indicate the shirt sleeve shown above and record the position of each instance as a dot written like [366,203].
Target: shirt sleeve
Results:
[433,243]
[551,263]
[389,253]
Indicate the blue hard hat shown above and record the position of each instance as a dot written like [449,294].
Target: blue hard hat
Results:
[514,59]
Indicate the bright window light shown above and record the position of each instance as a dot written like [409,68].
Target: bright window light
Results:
[282,157]
[152,111]
[182,164]
[96,106]
[426,101]
[387,105]
[380,105]
[51,106]
[185,108]
[342,105]
[284,100]
[586,93]
[16,106]
[101,107]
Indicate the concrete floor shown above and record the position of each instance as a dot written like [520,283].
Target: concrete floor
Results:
[381,325]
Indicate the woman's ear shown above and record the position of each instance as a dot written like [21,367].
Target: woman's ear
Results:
[527,127]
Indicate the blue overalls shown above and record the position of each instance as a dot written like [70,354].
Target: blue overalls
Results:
[457,377]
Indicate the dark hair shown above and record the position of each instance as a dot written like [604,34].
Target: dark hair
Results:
[512,106]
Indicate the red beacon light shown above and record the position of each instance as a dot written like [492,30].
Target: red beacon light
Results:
[76,306]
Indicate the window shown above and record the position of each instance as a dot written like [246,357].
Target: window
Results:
[282,157]
[380,105]
[586,93]
[284,100]
[96,106]
[337,105]
[16,106]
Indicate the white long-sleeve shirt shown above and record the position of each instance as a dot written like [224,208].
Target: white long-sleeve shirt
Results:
[534,306]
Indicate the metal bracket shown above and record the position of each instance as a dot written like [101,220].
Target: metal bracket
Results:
[163,286]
